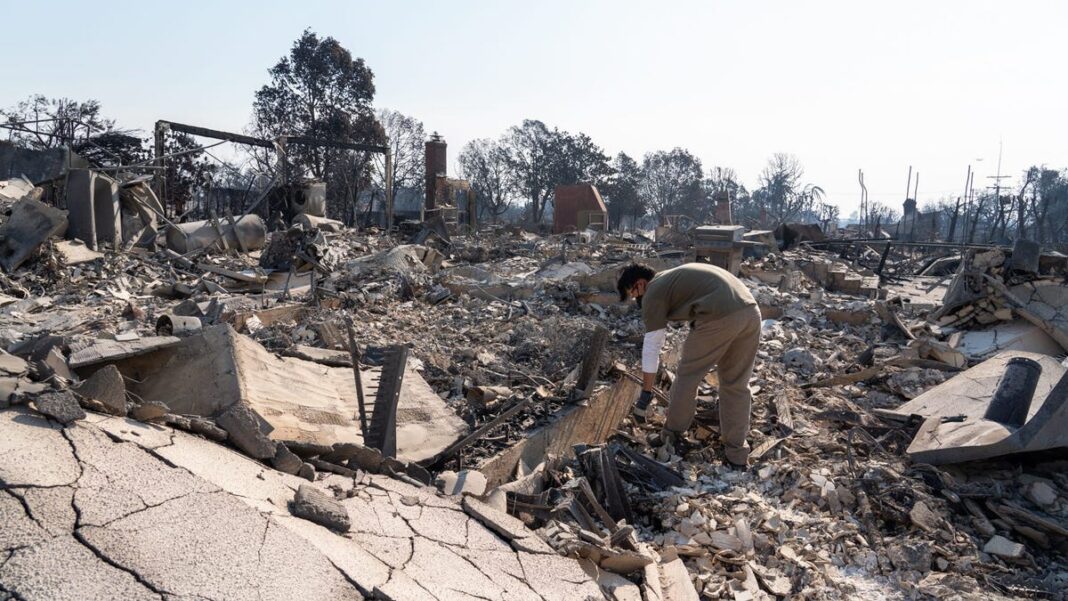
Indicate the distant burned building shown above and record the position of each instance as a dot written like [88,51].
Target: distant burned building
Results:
[578,207]
[916,226]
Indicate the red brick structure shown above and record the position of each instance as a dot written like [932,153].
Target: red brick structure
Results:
[578,207]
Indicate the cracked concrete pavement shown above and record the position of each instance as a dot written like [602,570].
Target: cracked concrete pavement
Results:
[111,508]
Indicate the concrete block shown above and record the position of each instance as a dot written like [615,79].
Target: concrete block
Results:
[107,387]
[466,481]
[246,430]
[317,506]
[1002,547]
[303,401]
[60,406]
[285,461]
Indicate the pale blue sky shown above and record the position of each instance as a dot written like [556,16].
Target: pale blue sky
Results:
[843,85]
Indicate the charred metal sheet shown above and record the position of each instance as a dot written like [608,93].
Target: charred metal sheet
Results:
[970,420]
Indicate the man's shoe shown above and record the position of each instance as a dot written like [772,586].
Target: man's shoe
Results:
[737,459]
[641,406]
[676,442]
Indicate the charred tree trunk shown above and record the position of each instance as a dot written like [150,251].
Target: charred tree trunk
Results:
[953,221]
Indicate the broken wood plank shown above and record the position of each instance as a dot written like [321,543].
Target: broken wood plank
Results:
[591,499]
[656,391]
[782,411]
[218,230]
[459,445]
[1030,517]
[857,376]
[875,371]
[763,448]
[890,317]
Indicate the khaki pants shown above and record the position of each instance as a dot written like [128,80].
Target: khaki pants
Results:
[731,344]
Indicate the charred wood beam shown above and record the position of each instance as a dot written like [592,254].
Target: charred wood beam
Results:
[600,468]
[591,364]
[486,428]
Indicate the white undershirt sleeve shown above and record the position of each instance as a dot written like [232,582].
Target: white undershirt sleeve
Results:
[651,346]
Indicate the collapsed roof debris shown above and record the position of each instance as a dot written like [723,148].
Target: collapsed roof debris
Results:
[328,413]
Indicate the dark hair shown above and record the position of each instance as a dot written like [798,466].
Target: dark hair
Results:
[630,276]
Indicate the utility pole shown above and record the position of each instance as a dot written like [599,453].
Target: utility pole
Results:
[916,211]
[964,222]
[997,193]
[863,203]
[909,184]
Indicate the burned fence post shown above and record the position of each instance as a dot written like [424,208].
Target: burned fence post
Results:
[354,353]
[382,434]
[591,363]
[599,465]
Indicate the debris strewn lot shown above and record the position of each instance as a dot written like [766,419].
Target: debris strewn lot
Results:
[893,454]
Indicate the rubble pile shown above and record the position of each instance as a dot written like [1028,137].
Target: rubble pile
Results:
[499,367]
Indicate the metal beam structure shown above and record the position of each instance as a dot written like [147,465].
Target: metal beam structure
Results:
[279,145]
[163,126]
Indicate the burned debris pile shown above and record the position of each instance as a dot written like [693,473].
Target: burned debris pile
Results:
[908,426]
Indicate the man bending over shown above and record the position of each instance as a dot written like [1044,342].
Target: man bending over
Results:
[724,332]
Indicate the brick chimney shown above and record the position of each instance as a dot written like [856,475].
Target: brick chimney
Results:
[435,166]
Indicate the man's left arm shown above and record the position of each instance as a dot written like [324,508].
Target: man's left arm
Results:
[651,345]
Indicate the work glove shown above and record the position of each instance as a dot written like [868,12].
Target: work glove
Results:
[641,406]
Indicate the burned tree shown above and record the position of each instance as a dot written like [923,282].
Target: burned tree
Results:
[321,91]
